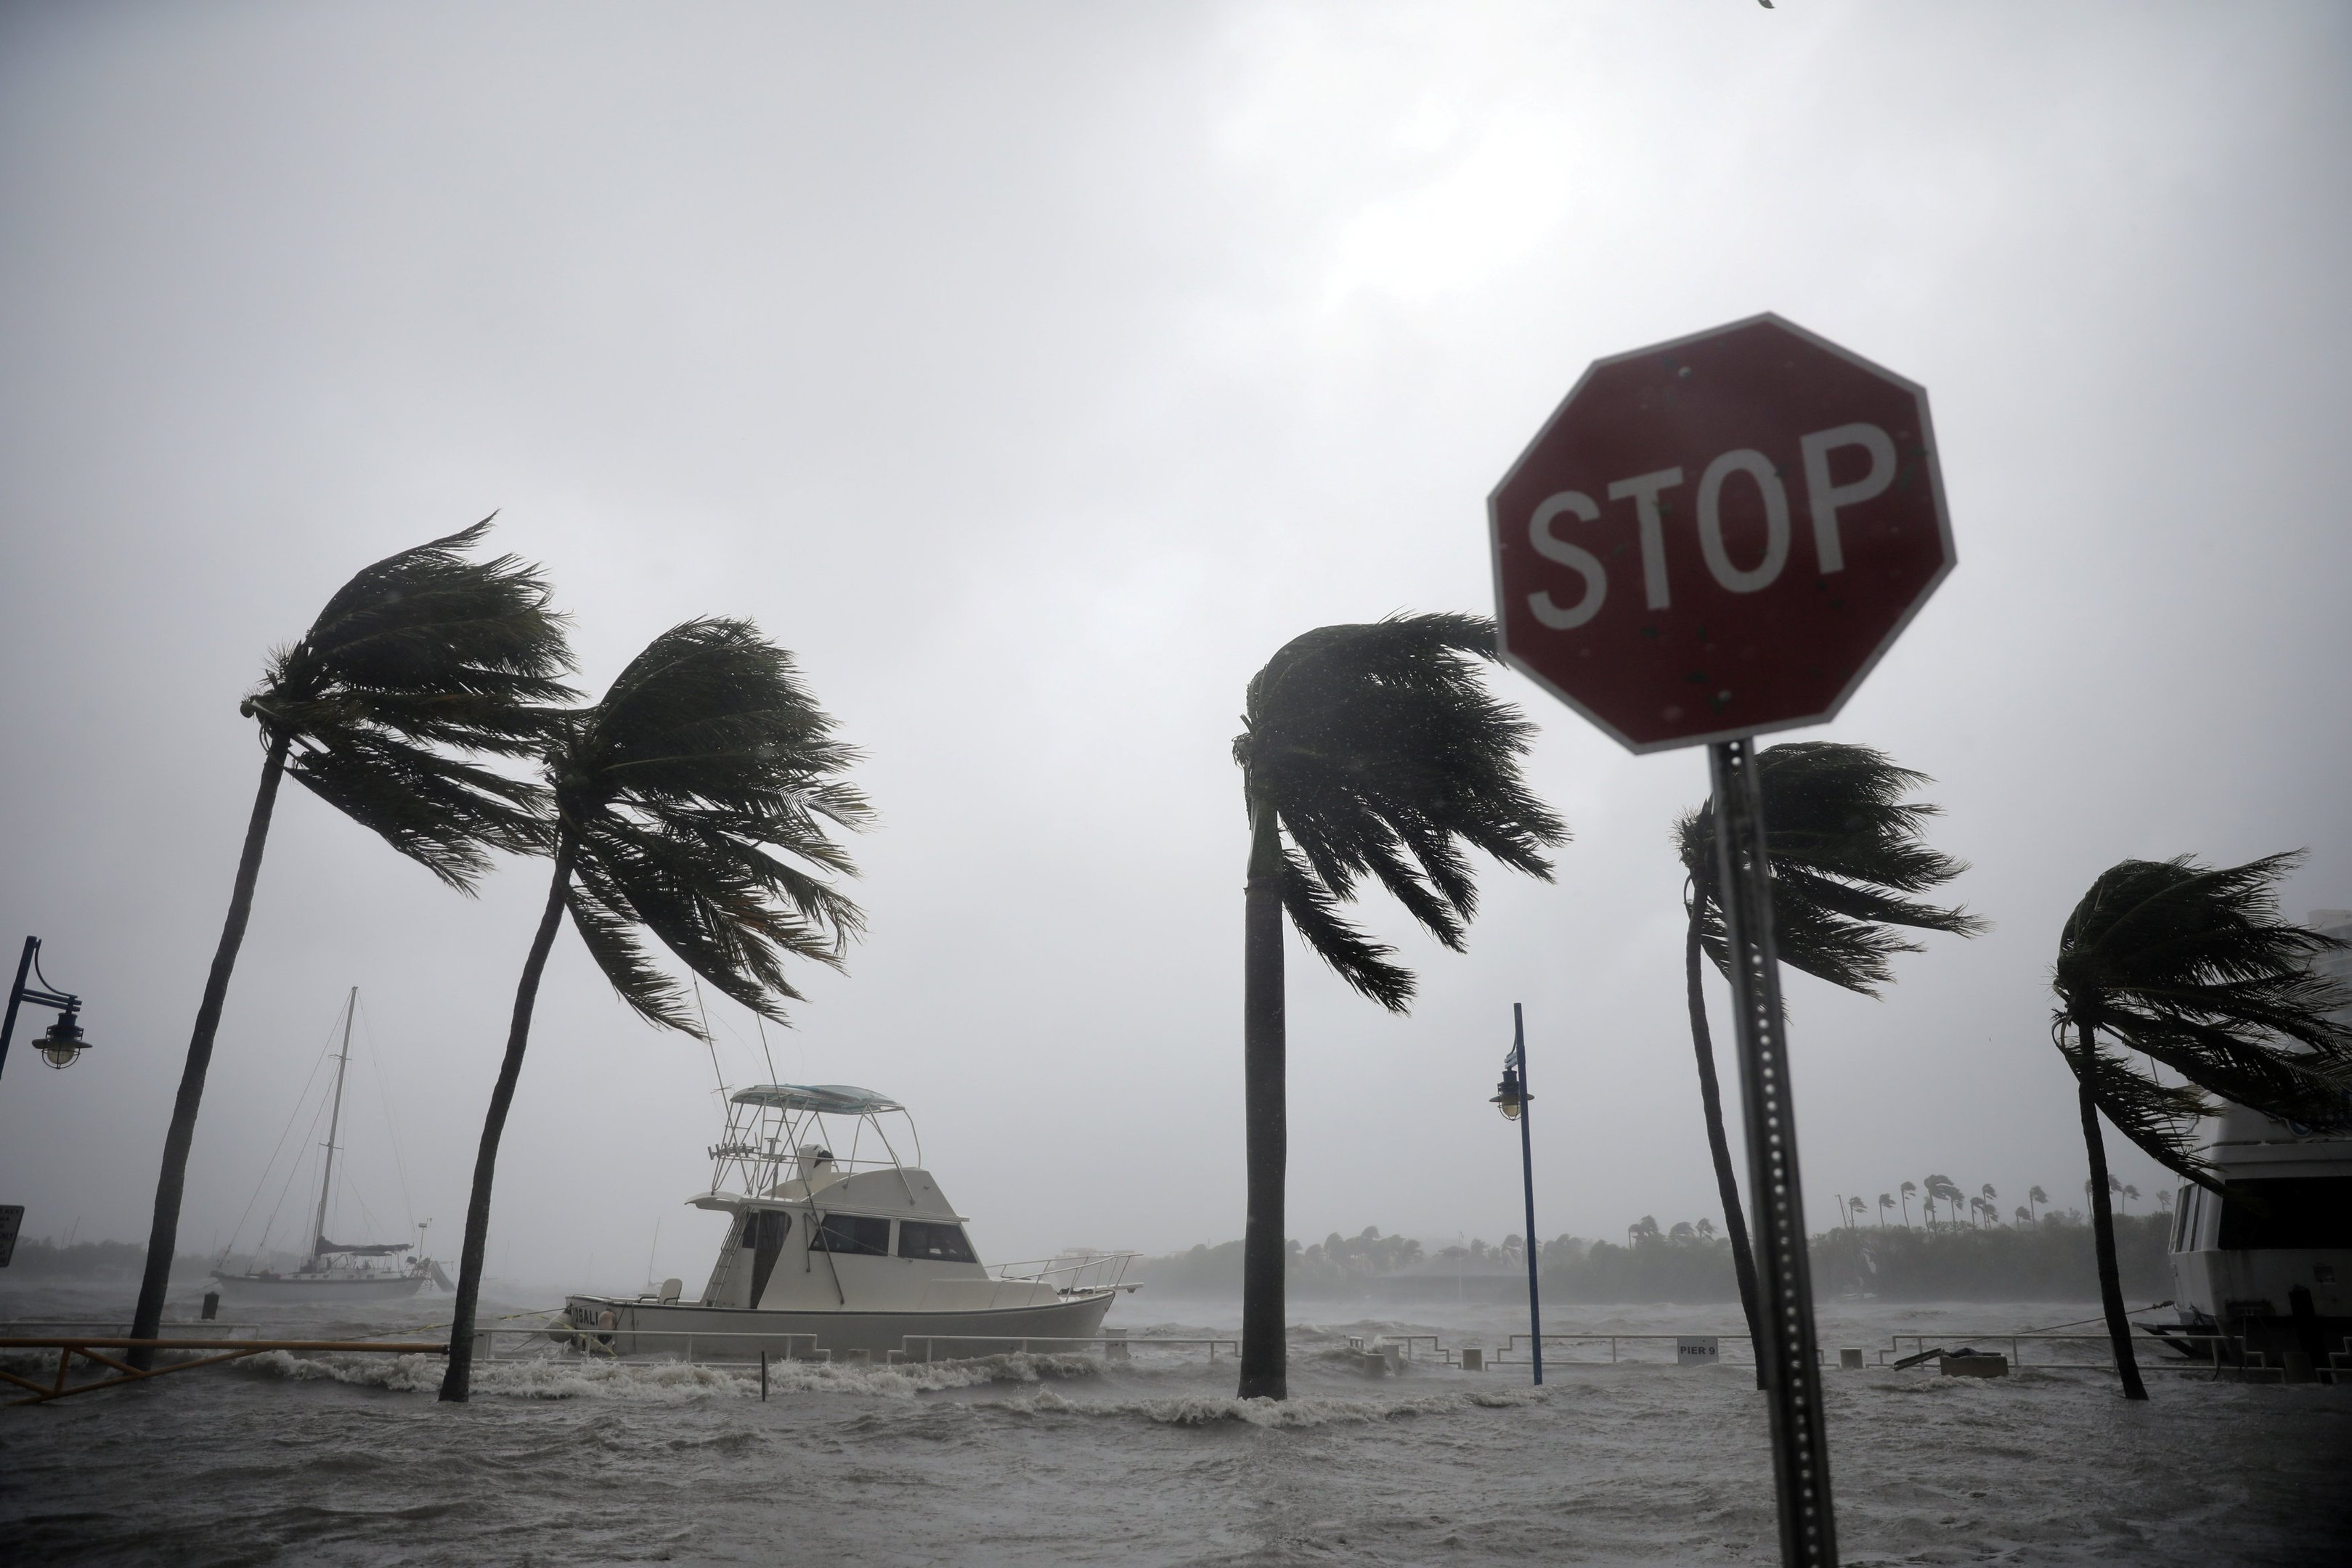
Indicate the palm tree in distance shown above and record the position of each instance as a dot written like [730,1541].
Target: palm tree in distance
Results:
[419,660]
[1886,1202]
[1683,1232]
[1367,751]
[1707,1229]
[2034,1197]
[695,800]
[1846,858]
[1907,1189]
[2024,1215]
[1943,1189]
[1854,1207]
[1992,1201]
[1643,1230]
[2172,965]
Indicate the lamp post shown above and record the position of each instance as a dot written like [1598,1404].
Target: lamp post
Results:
[1512,1098]
[62,1041]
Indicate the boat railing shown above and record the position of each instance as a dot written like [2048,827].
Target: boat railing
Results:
[1071,1273]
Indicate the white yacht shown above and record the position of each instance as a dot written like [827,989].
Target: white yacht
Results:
[836,1246]
[2272,1260]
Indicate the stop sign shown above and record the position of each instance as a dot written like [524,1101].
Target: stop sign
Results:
[1718,536]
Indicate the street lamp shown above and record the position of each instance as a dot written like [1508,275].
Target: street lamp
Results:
[61,1043]
[1511,1098]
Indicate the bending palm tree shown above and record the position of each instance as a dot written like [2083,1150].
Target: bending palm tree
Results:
[1908,1188]
[706,755]
[2034,1198]
[1375,750]
[2191,968]
[1845,855]
[1886,1202]
[420,657]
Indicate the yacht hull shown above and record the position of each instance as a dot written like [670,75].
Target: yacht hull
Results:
[261,1287]
[690,1331]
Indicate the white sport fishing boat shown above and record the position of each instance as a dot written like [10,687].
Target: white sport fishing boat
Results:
[854,1255]
[2269,1265]
[336,1270]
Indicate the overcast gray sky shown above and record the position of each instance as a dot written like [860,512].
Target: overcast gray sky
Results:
[1033,372]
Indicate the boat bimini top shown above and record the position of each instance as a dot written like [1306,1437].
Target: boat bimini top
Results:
[837,1098]
[778,1133]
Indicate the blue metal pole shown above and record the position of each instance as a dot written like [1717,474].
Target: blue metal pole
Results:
[1528,1177]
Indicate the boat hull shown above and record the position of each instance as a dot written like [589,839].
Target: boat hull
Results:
[292,1287]
[692,1331]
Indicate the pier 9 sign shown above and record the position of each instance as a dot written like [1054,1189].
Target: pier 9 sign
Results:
[1717,536]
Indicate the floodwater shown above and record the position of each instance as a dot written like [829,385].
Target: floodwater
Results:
[1056,1459]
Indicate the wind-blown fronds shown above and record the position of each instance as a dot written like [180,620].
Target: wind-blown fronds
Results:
[2193,967]
[2161,1118]
[1846,854]
[696,798]
[1383,755]
[417,660]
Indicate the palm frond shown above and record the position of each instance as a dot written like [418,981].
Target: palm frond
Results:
[1358,958]
[423,656]
[1845,851]
[700,795]
[2195,967]
[2159,1118]
[607,927]
[1384,755]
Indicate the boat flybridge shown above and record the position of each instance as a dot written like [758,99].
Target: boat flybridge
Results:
[2265,1265]
[838,1246]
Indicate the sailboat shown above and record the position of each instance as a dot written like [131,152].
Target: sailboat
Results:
[337,1271]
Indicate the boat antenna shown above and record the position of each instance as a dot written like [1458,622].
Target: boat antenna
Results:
[334,1123]
[708,1040]
[763,1046]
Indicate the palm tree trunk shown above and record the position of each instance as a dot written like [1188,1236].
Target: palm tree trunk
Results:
[1719,1144]
[457,1381]
[2103,1227]
[163,1236]
[1264,1372]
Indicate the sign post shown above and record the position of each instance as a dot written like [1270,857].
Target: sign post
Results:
[1711,540]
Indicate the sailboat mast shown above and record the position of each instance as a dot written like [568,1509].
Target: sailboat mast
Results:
[334,1125]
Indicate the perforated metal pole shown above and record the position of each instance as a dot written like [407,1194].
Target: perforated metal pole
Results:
[1527,1185]
[1784,1281]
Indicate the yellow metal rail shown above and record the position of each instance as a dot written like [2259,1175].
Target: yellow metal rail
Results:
[224,1349]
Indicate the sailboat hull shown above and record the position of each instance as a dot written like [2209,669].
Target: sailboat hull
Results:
[260,1288]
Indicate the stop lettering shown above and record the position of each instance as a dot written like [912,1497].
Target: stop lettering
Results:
[1718,536]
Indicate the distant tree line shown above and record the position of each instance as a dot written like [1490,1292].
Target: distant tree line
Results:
[2053,1259]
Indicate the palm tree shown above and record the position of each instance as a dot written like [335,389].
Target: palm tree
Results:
[1683,1232]
[1368,751]
[1992,1201]
[1643,1230]
[1908,1188]
[1854,1206]
[674,799]
[2191,968]
[2129,1193]
[1943,1190]
[1845,856]
[2034,1197]
[1707,1229]
[2024,1216]
[1886,1202]
[418,660]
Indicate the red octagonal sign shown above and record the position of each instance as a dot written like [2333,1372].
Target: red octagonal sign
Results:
[1719,536]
